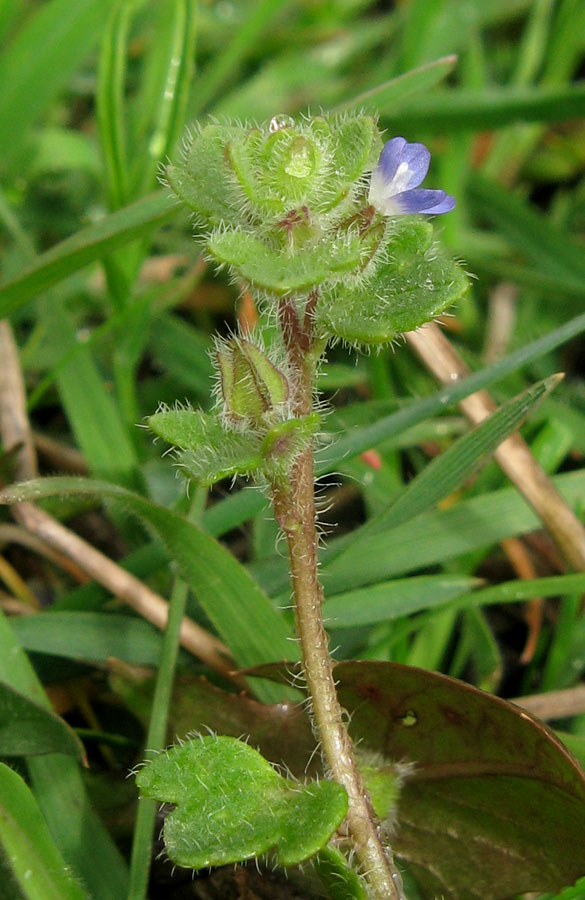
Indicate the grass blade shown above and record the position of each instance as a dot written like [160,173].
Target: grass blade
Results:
[61,794]
[167,87]
[241,613]
[110,103]
[31,863]
[224,66]
[385,98]
[445,112]
[86,246]
[39,62]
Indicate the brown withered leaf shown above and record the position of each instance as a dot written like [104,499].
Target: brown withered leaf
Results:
[495,805]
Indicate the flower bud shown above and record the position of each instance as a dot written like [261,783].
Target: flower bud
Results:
[252,388]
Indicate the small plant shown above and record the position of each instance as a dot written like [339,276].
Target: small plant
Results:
[322,221]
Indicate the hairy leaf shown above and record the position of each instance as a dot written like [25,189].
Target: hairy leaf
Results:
[232,805]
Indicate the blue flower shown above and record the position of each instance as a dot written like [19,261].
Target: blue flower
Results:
[401,168]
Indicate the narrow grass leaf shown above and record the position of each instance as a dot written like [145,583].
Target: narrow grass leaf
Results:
[434,537]
[166,87]
[544,243]
[393,599]
[111,117]
[452,468]
[39,62]
[27,729]
[91,637]
[387,96]
[86,246]
[32,866]
[445,112]
[226,63]
[60,791]
[183,352]
[90,409]
[241,613]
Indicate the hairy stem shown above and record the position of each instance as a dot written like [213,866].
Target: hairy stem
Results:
[294,507]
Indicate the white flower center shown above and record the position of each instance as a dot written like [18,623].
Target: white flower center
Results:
[400,181]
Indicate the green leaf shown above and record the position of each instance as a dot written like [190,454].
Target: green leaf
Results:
[452,468]
[110,102]
[417,284]
[183,351]
[437,536]
[84,247]
[201,179]
[489,783]
[279,272]
[40,61]
[392,599]
[244,40]
[89,407]
[445,112]
[32,866]
[545,244]
[219,785]
[207,452]
[341,881]
[27,729]
[384,98]
[61,793]
[241,613]
[92,637]
[165,89]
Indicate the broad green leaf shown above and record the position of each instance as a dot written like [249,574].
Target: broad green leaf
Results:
[417,284]
[393,599]
[386,97]
[84,247]
[92,637]
[218,783]
[27,729]
[31,864]
[61,793]
[40,61]
[207,452]
[241,613]
[489,782]
[278,272]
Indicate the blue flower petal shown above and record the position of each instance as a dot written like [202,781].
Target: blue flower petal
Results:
[401,168]
[430,203]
